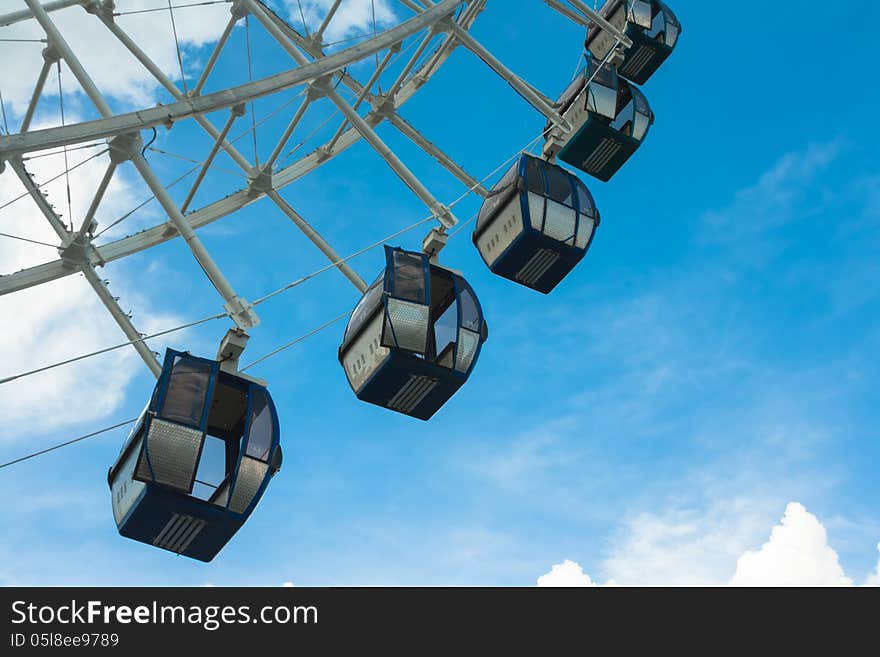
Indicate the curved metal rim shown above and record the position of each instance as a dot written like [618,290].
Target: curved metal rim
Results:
[160,233]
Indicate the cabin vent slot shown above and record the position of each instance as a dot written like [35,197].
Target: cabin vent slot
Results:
[601,156]
[537,266]
[179,532]
[412,393]
[634,67]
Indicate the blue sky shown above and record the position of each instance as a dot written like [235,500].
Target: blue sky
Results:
[711,360]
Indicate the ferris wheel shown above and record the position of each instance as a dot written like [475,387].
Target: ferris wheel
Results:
[416,335]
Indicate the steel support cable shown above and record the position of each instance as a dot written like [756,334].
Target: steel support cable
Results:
[105,350]
[250,67]
[197,163]
[25,239]
[70,149]
[271,295]
[66,164]
[146,201]
[66,443]
[184,6]
[3,107]
[54,178]
[267,356]
[177,45]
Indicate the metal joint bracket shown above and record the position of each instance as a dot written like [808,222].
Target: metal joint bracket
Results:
[231,348]
[75,253]
[434,243]
[444,215]
[124,147]
[51,54]
[383,107]
[238,9]
[617,56]
[103,10]
[260,183]
[322,85]
[241,312]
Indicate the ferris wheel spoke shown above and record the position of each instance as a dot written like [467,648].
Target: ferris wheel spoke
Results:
[218,48]
[152,117]
[446,217]
[74,249]
[236,112]
[88,219]
[193,107]
[50,56]
[288,131]
[318,35]
[172,88]
[317,240]
[27,14]
[126,148]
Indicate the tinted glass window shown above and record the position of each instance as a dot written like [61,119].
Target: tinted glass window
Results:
[260,436]
[187,390]
[445,334]
[409,277]
[585,199]
[470,311]
[370,300]
[559,186]
[602,100]
[212,468]
[640,13]
[603,75]
[534,175]
[658,25]
[625,118]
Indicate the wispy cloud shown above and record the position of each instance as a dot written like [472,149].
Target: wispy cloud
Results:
[352,18]
[687,549]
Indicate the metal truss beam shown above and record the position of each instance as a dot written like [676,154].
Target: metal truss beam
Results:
[190,107]
[317,240]
[237,307]
[27,14]
[228,205]
[88,270]
[443,214]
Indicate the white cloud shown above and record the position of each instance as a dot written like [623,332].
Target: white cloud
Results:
[566,574]
[115,71]
[874,578]
[353,17]
[64,318]
[288,585]
[685,548]
[797,554]
[775,199]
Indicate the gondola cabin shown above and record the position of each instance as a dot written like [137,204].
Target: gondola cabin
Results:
[536,224]
[198,459]
[653,29]
[610,119]
[414,338]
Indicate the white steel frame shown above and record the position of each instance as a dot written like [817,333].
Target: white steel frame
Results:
[318,72]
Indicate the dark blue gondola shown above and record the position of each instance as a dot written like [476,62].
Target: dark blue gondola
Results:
[198,459]
[536,224]
[653,29]
[610,119]
[415,336]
